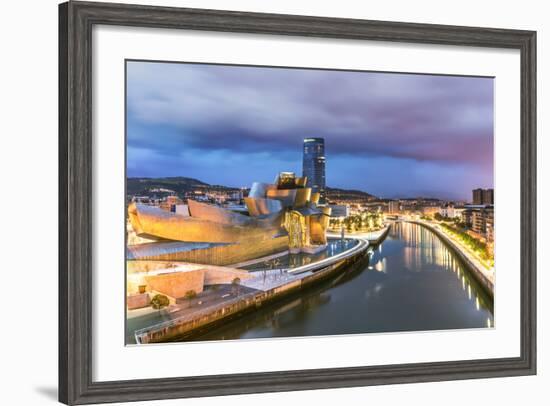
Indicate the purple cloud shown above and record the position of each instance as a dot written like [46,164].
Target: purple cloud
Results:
[434,119]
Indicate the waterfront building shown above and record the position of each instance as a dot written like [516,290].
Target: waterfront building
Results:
[483,222]
[339,210]
[468,213]
[394,207]
[480,219]
[467,216]
[449,210]
[490,225]
[478,222]
[313,166]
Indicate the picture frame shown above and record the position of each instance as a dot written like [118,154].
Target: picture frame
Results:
[76,20]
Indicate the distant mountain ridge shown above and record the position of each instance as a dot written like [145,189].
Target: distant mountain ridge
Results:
[178,184]
[182,184]
[337,193]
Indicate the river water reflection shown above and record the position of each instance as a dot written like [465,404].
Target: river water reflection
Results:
[411,282]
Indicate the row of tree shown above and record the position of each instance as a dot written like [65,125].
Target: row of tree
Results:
[364,221]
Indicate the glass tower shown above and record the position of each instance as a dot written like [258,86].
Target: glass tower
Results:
[313,165]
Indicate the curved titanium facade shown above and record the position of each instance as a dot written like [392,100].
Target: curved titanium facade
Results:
[280,216]
[207,223]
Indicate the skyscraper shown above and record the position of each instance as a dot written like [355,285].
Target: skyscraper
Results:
[483,196]
[313,165]
[477,196]
[488,196]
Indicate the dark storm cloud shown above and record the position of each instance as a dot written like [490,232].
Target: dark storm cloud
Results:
[243,110]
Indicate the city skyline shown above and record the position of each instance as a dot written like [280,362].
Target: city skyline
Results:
[399,135]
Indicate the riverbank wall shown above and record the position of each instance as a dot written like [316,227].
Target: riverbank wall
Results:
[377,239]
[202,320]
[486,283]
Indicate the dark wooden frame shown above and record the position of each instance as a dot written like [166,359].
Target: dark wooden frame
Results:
[76,20]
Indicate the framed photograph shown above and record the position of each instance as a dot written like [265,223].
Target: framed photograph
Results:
[259,202]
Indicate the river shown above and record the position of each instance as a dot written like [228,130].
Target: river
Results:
[410,282]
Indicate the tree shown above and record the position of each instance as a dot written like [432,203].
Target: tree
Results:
[348,223]
[378,220]
[190,294]
[159,302]
[235,285]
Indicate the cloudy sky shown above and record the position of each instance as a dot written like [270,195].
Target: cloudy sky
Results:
[392,135]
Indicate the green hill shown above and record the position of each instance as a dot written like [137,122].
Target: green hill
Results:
[179,185]
[345,194]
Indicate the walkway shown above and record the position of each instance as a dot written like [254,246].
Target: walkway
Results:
[373,237]
[484,275]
